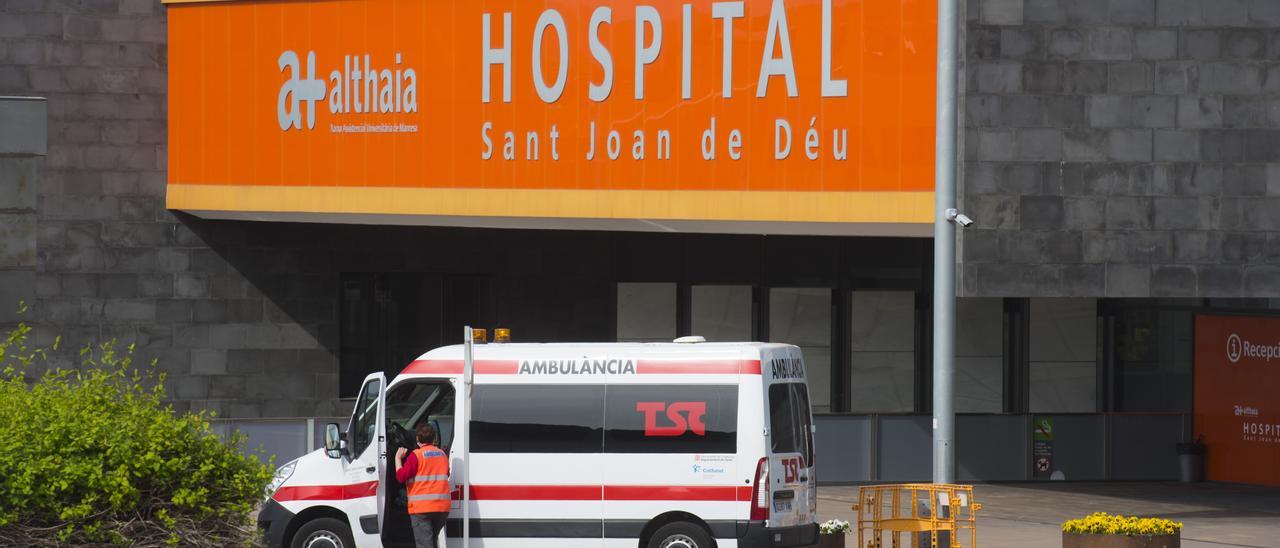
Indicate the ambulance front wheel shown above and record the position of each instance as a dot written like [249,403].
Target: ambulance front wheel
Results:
[680,535]
[323,533]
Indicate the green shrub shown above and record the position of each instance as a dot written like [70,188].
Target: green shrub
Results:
[96,456]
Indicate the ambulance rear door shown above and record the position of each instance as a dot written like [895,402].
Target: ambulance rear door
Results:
[792,481]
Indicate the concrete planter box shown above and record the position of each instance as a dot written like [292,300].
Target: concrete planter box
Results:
[831,541]
[1077,540]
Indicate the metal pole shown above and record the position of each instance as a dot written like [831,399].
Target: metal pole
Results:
[944,249]
[468,377]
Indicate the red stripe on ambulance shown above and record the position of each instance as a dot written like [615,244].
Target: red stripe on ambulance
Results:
[643,367]
[327,492]
[715,493]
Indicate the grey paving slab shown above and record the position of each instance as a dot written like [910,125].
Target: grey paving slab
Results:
[1028,515]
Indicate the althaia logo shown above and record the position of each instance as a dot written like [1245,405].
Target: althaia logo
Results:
[1241,348]
[359,88]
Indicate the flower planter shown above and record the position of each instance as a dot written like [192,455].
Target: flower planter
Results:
[831,541]
[1078,540]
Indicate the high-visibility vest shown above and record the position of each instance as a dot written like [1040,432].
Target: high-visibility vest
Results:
[429,488]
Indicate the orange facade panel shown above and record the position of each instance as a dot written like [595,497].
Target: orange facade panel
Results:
[557,99]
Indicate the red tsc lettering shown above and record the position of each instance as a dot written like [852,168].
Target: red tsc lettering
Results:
[791,470]
[694,410]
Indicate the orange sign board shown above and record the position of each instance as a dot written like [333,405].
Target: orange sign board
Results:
[1237,379]
[809,111]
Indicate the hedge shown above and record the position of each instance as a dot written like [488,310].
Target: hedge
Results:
[96,456]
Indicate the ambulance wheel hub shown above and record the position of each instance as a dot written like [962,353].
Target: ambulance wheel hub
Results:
[679,541]
[323,539]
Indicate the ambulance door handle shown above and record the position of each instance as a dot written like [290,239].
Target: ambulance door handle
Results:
[370,470]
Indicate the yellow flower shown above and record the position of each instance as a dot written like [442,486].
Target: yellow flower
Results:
[1101,523]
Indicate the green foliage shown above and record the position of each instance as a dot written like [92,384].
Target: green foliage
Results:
[95,455]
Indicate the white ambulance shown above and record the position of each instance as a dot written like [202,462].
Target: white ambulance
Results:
[655,445]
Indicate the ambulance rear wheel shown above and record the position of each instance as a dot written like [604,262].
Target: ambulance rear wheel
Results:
[680,535]
[323,533]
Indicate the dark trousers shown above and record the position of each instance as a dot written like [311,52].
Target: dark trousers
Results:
[426,527]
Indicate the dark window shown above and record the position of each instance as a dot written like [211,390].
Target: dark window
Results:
[671,419]
[537,419]
[409,405]
[388,320]
[790,428]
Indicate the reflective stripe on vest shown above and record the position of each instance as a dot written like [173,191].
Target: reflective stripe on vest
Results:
[444,477]
[428,490]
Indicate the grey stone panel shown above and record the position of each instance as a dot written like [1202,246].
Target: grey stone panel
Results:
[1264,13]
[1001,12]
[1178,12]
[1155,44]
[1020,43]
[1173,281]
[1225,13]
[1085,77]
[1155,111]
[1128,280]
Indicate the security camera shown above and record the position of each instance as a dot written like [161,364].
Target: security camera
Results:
[959,218]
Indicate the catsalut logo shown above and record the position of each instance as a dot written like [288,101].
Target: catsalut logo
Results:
[360,87]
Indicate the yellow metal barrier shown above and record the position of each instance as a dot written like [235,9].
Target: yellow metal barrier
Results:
[912,508]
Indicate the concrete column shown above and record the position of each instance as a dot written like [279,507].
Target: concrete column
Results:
[23,137]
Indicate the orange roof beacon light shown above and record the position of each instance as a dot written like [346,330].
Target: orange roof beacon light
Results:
[479,335]
[501,335]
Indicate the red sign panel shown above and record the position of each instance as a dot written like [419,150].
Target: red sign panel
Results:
[1237,397]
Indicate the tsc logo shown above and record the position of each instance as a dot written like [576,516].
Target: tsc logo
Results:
[683,416]
[791,470]
[1233,348]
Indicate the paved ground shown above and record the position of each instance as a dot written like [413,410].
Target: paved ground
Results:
[1028,515]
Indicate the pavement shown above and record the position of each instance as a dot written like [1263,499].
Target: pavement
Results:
[1029,515]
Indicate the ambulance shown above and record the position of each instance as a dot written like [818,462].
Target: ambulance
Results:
[619,445]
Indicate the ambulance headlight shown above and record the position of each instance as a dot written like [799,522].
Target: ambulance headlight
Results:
[282,475]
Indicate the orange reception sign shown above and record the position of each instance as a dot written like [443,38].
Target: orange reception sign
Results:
[1237,379]
[801,116]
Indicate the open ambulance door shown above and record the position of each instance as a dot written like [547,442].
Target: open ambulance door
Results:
[380,440]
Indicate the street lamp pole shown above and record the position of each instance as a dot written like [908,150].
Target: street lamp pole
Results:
[944,248]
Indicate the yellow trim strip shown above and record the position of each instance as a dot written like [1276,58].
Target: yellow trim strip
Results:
[701,205]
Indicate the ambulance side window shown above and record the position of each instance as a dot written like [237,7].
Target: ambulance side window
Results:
[537,419]
[671,419]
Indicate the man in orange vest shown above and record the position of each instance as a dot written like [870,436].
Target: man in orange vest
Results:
[426,475]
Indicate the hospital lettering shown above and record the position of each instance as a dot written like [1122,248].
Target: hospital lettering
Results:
[575,367]
[658,38]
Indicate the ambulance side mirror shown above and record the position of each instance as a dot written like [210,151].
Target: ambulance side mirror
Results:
[332,441]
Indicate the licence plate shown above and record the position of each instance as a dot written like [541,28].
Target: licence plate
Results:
[782,505]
